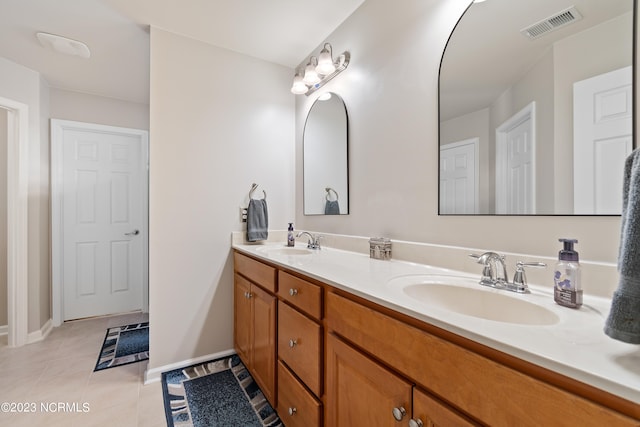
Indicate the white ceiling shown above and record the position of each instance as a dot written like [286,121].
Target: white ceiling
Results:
[117,32]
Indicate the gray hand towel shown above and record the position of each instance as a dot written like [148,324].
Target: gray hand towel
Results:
[623,322]
[257,220]
[332,207]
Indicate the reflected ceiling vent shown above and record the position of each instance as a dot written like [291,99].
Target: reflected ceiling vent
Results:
[559,20]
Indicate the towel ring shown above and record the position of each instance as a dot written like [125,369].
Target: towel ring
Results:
[253,188]
[329,190]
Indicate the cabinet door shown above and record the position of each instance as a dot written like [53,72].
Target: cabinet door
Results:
[242,321]
[360,392]
[433,413]
[264,341]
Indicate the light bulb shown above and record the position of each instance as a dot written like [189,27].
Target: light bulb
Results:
[311,77]
[325,62]
[298,87]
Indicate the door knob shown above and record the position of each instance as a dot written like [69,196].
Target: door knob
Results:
[132,233]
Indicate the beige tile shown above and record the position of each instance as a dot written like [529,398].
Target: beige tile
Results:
[121,415]
[60,369]
[101,395]
[151,405]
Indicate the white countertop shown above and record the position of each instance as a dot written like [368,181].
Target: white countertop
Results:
[575,346]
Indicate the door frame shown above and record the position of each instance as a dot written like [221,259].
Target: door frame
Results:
[17,211]
[527,113]
[57,134]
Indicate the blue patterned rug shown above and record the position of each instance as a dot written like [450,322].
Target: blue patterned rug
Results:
[216,393]
[123,345]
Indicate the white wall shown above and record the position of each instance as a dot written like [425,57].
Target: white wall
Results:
[391,93]
[82,107]
[23,85]
[219,121]
[3,216]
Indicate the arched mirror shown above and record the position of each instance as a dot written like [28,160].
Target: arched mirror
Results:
[536,108]
[325,157]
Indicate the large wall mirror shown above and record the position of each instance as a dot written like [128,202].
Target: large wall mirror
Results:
[536,108]
[325,157]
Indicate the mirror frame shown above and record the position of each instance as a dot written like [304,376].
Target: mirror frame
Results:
[344,206]
[635,94]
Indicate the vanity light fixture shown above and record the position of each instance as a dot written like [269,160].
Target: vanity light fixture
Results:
[319,71]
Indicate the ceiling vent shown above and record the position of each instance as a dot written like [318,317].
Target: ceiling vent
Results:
[559,20]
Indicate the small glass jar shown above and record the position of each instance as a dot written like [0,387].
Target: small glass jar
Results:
[380,248]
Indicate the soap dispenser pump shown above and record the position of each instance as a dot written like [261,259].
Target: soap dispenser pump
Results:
[566,278]
[291,238]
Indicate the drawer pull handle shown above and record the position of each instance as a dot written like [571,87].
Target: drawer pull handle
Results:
[292,411]
[292,343]
[399,413]
[416,423]
[293,292]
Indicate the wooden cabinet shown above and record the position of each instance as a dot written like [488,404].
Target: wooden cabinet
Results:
[300,351]
[429,412]
[492,393]
[325,357]
[255,322]
[360,392]
[296,406]
[300,346]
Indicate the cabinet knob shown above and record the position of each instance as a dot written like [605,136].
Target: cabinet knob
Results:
[293,343]
[293,292]
[247,295]
[416,423]
[292,411]
[399,413]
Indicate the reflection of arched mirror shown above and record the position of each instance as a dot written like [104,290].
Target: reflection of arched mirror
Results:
[536,107]
[325,159]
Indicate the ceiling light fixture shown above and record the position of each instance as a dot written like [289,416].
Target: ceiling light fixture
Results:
[319,71]
[64,45]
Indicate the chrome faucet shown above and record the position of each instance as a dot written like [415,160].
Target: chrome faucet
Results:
[314,241]
[494,272]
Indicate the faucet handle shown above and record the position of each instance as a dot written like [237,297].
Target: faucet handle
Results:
[520,278]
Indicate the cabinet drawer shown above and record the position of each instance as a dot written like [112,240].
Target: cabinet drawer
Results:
[300,345]
[296,406]
[471,382]
[300,293]
[259,273]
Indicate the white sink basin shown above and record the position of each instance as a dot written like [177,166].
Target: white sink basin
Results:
[497,305]
[283,250]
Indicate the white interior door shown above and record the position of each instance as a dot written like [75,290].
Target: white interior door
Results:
[459,177]
[602,139]
[103,213]
[515,164]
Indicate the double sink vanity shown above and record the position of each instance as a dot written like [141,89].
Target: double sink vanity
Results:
[336,338]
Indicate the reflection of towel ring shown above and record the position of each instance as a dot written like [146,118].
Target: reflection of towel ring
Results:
[329,190]
[253,188]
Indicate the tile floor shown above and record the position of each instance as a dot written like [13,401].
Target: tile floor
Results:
[59,369]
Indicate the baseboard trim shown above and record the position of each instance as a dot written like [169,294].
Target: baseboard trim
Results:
[4,330]
[40,334]
[155,374]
